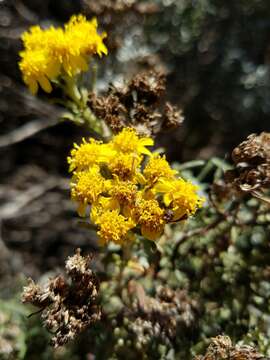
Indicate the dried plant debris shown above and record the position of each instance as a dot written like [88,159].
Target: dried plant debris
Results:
[252,162]
[173,116]
[148,326]
[221,348]
[162,316]
[138,104]
[69,305]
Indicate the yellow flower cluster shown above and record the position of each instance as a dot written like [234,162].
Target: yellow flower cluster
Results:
[54,51]
[129,189]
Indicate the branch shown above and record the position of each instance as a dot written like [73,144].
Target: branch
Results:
[26,131]
[11,209]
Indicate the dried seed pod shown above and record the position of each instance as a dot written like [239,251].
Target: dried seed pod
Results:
[137,104]
[252,164]
[168,311]
[173,116]
[255,150]
[68,307]
[221,348]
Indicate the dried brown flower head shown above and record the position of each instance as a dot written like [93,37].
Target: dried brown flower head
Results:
[149,86]
[168,311]
[173,116]
[255,150]
[68,305]
[138,104]
[252,168]
[252,160]
[221,348]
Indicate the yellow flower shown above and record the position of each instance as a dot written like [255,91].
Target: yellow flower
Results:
[66,52]
[128,141]
[122,196]
[113,227]
[124,165]
[180,196]
[150,216]
[35,38]
[123,191]
[53,52]
[156,168]
[84,32]
[87,187]
[89,153]
[37,69]
[103,204]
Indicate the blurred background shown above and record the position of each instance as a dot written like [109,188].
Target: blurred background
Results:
[216,58]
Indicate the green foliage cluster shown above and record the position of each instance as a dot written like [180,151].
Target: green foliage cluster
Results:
[220,260]
[166,300]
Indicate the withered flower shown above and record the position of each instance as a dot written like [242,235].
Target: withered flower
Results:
[68,306]
[169,311]
[173,116]
[149,86]
[138,104]
[221,348]
[252,165]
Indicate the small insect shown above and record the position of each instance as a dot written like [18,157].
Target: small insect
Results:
[168,215]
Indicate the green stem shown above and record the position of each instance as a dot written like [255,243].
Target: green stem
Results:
[81,113]
[126,255]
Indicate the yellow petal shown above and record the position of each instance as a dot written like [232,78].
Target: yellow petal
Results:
[178,214]
[45,84]
[79,63]
[163,187]
[150,235]
[147,141]
[54,70]
[102,49]
[140,178]
[143,150]
[167,199]
[33,87]
[67,68]
[81,209]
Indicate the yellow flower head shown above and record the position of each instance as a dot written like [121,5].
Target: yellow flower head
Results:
[54,52]
[150,216]
[35,38]
[124,165]
[88,153]
[87,187]
[123,191]
[104,204]
[128,141]
[156,168]
[66,53]
[113,227]
[85,34]
[122,195]
[180,195]
[37,69]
